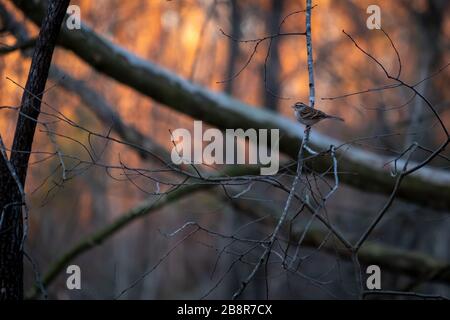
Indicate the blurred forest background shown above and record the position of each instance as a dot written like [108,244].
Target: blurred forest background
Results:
[184,36]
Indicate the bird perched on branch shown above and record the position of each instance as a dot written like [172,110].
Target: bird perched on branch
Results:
[310,116]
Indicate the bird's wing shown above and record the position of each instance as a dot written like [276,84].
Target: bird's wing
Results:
[318,114]
[307,112]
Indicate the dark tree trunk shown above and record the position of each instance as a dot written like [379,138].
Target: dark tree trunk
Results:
[11,229]
[271,87]
[233,53]
[429,42]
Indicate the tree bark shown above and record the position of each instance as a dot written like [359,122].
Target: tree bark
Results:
[11,199]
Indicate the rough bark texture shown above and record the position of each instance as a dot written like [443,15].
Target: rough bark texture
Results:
[11,229]
[11,268]
[363,170]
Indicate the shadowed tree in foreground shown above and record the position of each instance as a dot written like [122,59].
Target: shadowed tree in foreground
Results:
[13,171]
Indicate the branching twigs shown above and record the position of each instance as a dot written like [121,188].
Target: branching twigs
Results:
[103,234]
[315,213]
[105,113]
[396,260]
[408,152]
[192,181]
[204,183]
[387,205]
[397,79]
[92,101]
[259,41]
[165,87]
[265,256]
[255,49]
[300,161]
[161,260]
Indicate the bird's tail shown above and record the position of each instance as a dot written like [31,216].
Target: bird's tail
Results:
[336,118]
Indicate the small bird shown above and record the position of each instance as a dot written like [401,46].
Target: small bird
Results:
[310,116]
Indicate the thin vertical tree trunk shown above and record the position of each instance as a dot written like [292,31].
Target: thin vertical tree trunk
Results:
[13,176]
[271,87]
[429,43]
[233,54]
